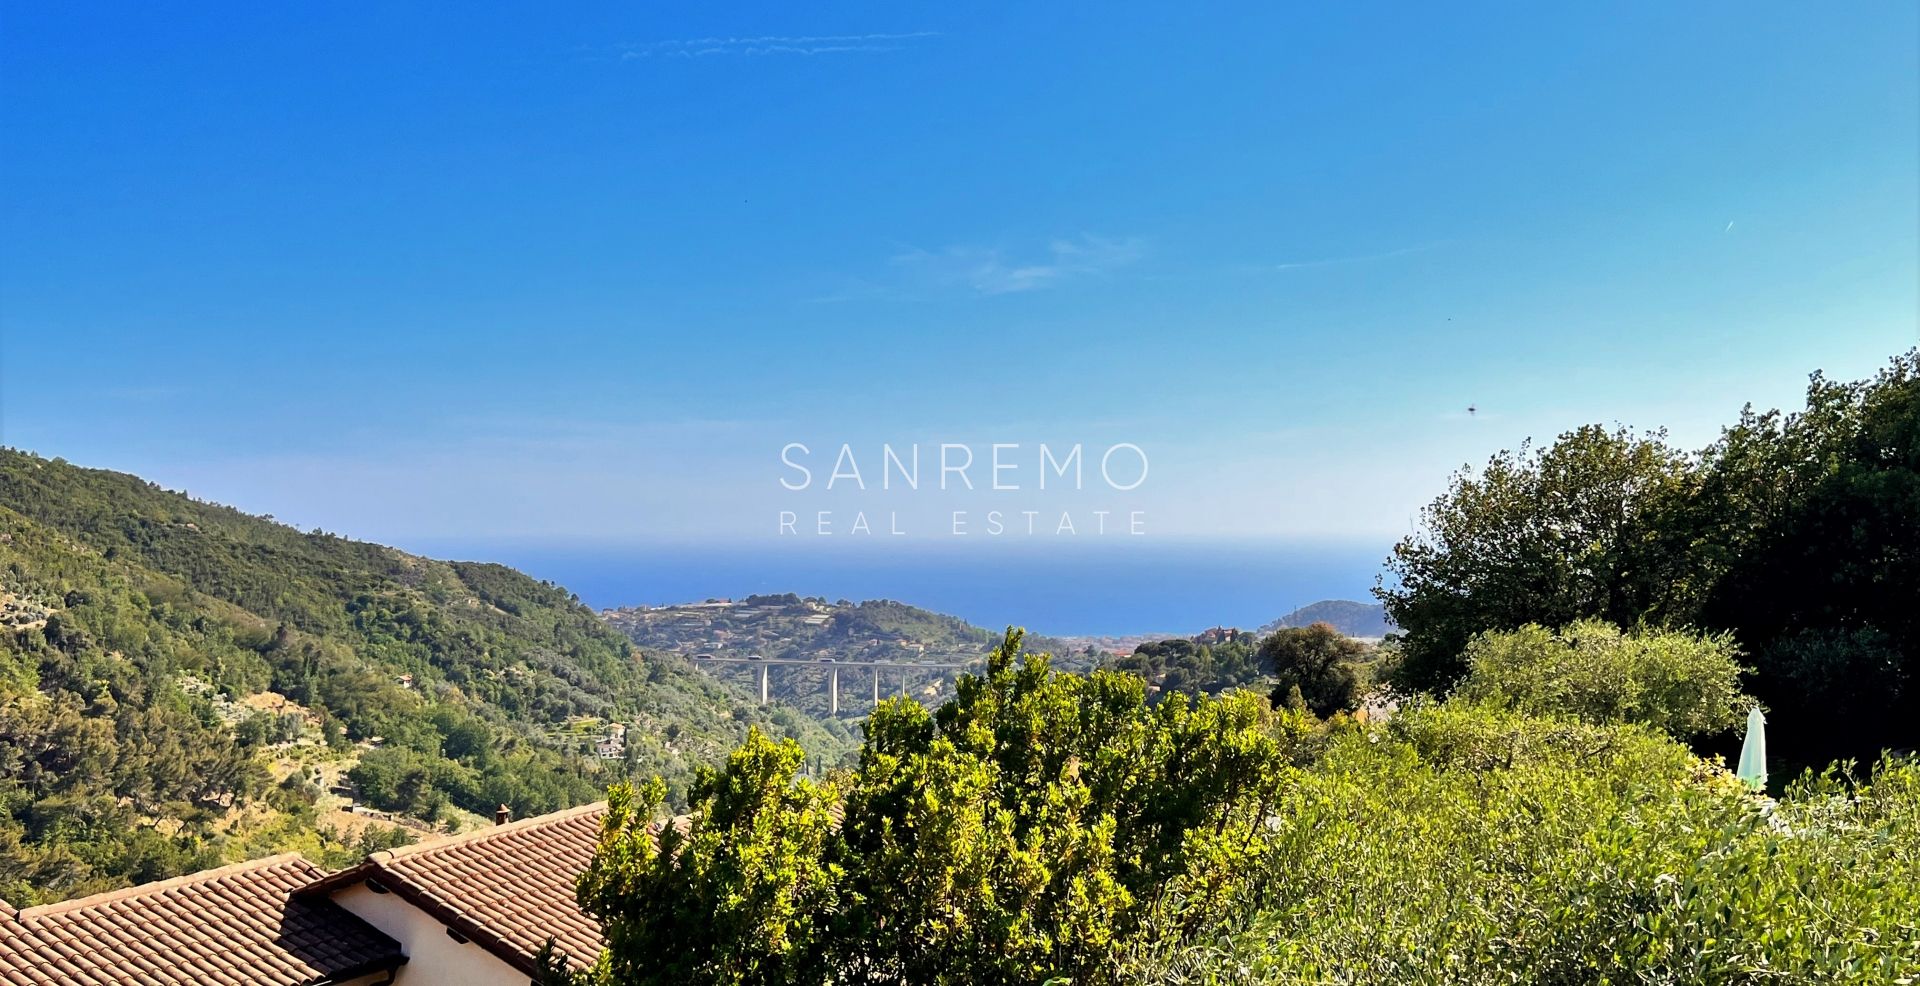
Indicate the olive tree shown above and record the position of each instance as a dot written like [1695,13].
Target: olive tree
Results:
[1685,684]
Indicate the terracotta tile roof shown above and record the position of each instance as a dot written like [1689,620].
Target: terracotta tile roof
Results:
[226,927]
[507,888]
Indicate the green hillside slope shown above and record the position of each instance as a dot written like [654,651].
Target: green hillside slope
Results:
[182,683]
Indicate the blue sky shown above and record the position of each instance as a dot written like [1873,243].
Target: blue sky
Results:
[423,274]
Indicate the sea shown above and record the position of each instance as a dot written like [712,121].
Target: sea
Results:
[1105,589]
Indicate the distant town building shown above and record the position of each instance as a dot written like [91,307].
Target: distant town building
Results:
[1221,635]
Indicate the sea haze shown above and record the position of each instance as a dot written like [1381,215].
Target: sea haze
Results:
[1105,589]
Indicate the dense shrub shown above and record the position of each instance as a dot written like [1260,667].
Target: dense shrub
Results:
[1684,684]
[1049,829]
[1640,866]
[1028,829]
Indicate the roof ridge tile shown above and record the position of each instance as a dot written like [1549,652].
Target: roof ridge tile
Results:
[486,833]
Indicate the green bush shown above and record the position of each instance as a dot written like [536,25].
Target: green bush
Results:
[1028,829]
[1685,684]
[1462,736]
[1046,829]
[1404,864]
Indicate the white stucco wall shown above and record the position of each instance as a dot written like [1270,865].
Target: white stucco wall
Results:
[367,980]
[433,959]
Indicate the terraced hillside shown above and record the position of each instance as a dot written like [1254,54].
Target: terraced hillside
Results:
[182,683]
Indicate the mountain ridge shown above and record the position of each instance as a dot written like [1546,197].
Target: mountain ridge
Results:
[788,626]
[144,632]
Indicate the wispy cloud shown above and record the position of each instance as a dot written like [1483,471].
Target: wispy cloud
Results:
[1357,259]
[987,271]
[775,44]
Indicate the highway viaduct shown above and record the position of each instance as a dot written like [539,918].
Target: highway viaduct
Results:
[833,668]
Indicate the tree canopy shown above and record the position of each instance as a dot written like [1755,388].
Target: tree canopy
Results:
[1795,533]
[1043,828]
[1546,536]
[1317,662]
[1191,667]
[1030,828]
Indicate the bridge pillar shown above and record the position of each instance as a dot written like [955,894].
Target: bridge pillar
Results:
[833,692]
[876,685]
[763,683]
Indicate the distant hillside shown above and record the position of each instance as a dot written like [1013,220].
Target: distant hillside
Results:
[797,628]
[182,684]
[1354,619]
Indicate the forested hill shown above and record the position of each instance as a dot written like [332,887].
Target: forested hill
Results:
[793,627]
[1351,618]
[182,683]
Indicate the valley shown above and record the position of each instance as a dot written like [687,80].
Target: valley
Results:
[183,684]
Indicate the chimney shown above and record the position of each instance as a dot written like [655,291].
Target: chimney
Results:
[502,815]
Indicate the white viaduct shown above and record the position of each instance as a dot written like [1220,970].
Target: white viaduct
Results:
[833,668]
